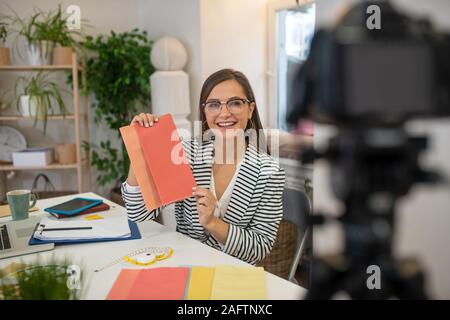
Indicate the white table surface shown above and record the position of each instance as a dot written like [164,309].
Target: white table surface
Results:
[187,252]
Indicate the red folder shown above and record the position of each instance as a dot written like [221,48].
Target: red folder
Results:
[158,161]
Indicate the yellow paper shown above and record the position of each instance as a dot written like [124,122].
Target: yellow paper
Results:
[239,283]
[200,283]
[94,217]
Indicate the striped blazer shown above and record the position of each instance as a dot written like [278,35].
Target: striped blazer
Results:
[254,212]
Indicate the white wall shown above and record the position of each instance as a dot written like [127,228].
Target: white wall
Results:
[179,19]
[234,36]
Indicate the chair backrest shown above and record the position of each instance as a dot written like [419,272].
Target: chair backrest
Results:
[296,207]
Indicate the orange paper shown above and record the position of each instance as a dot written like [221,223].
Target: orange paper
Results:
[122,287]
[160,284]
[158,161]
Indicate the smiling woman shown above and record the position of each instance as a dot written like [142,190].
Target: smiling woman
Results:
[236,206]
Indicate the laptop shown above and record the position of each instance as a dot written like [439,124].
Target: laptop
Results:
[14,237]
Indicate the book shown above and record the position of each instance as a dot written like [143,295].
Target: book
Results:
[159,163]
[100,207]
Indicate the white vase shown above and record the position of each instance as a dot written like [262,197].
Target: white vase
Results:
[40,53]
[34,54]
[46,52]
[27,106]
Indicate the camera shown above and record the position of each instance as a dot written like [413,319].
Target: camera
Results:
[374,76]
[369,83]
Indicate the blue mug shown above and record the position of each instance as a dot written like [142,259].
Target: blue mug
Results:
[19,203]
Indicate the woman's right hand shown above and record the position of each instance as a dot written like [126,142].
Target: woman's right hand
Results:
[145,119]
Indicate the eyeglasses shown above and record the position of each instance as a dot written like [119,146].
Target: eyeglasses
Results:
[234,106]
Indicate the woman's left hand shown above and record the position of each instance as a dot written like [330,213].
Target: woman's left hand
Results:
[206,204]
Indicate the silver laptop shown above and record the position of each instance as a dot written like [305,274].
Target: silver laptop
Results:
[15,235]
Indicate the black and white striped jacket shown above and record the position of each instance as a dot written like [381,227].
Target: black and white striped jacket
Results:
[254,212]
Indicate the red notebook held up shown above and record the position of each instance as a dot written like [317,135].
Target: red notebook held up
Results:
[158,161]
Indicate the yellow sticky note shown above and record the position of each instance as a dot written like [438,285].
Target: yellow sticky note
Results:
[200,283]
[94,217]
[239,283]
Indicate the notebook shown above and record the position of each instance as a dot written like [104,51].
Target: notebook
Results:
[50,229]
[73,206]
[97,208]
[159,163]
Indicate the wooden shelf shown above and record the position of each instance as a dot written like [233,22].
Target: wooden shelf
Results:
[37,68]
[58,117]
[78,116]
[53,166]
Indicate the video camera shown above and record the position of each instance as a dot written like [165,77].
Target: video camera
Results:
[374,77]
[368,83]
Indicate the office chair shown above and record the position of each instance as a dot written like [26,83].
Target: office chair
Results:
[297,206]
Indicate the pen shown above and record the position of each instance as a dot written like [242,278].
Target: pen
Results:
[60,229]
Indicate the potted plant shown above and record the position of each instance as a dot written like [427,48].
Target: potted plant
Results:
[37,52]
[53,280]
[43,31]
[4,52]
[37,96]
[118,73]
[54,28]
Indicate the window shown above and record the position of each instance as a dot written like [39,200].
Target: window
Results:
[289,45]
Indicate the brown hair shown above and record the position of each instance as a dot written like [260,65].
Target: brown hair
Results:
[230,74]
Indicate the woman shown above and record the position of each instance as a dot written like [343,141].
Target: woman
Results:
[236,206]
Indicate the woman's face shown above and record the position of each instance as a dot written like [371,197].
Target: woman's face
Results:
[228,120]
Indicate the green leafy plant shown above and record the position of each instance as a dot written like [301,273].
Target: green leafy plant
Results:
[26,28]
[118,75]
[42,92]
[48,27]
[54,280]
[53,27]
[3,32]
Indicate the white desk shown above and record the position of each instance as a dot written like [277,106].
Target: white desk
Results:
[187,252]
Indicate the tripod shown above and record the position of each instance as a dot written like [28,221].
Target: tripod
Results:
[371,169]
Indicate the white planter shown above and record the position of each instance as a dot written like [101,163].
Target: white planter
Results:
[34,54]
[40,53]
[27,106]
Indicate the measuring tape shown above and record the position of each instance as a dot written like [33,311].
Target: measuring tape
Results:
[142,257]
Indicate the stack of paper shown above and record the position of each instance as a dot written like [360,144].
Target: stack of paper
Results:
[113,227]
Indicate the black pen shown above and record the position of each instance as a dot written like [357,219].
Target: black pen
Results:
[61,229]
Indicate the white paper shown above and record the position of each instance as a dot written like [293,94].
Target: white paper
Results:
[111,227]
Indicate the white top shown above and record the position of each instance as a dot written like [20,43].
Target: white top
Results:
[222,204]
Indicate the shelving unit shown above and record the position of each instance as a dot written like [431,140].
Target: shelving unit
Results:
[77,117]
